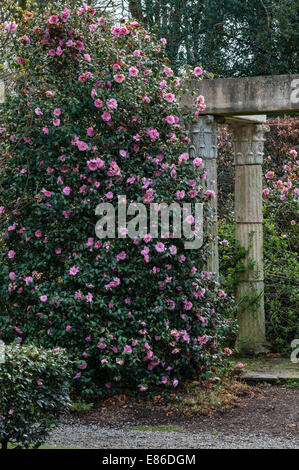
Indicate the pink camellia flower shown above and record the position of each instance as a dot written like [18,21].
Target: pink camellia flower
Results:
[175,383]
[46,193]
[38,111]
[189,219]
[133,71]
[106,116]
[122,255]
[40,383]
[164,41]
[38,233]
[98,103]
[77,376]
[65,14]
[56,122]
[57,112]
[119,78]
[143,388]
[12,276]
[52,52]
[53,19]
[68,327]
[11,254]
[160,247]
[45,130]
[266,192]
[197,71]
[82,366]
[82,145]
[153,133]
[127,349]
[227,351]
[92,165]
[67,190]
[169,97]
[20,60]
[112,103]
[90,132]
[173,250]
[240,365]
[43,298]
[210,193]
[50,94]
[197,162]
[293,222]
[74,270]
[87,57]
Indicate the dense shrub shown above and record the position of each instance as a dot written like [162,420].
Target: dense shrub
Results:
[94,115]
[280,253]
[34,392]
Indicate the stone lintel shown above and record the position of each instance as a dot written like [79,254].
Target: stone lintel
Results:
[247,95]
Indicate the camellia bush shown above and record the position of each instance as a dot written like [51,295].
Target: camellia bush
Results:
[34,386]
[92,115]
[281,267]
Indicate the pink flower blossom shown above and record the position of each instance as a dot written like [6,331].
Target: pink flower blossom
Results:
[67,190]
[197,71]
[169,97]
[160,247]
[112,103]
[133,71]
[98,103]
[106,116]
[119,78]
[74,270]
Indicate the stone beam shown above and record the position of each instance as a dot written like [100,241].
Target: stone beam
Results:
[248,95]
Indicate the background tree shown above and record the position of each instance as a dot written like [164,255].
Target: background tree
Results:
[229,37]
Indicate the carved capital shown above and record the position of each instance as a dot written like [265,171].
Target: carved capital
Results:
[248,143]
[203,134]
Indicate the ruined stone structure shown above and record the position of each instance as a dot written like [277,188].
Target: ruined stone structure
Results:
[243,104]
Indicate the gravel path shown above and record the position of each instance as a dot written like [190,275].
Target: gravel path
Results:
[96,437]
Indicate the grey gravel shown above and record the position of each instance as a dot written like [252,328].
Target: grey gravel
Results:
[96,437]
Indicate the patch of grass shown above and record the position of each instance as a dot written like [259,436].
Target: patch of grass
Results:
[80,406]
[15,446]
[288,383]
[160,428]
[206,398]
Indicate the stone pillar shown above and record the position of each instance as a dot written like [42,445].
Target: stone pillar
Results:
[203,135]
[248,153]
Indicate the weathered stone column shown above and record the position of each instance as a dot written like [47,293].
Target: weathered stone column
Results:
[203,135]
[248,153]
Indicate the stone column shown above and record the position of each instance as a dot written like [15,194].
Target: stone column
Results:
[248,153]
[203,135]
